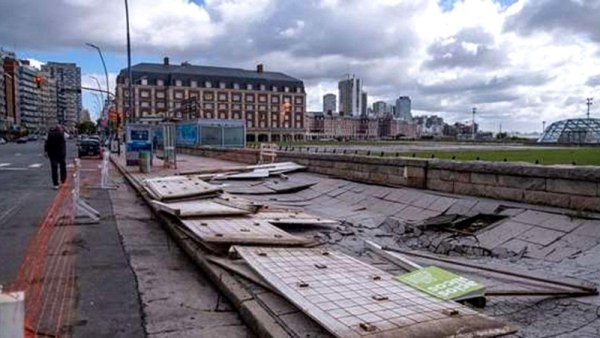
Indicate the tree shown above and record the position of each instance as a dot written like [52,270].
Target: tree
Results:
[86,127]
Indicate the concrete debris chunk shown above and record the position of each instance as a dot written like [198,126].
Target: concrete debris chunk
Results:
[340,297]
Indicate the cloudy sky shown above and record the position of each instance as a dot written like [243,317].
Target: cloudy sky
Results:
[518,61]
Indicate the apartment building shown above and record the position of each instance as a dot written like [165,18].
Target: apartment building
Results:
[272,104]
[68,87]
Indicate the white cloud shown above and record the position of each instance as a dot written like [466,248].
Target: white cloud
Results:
[518,64]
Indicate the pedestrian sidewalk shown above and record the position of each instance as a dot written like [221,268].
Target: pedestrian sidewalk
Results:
[377,213]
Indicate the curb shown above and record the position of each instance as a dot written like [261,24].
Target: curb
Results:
[258,319]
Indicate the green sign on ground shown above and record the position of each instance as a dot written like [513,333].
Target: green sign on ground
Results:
[441,283]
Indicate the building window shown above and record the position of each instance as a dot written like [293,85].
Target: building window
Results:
[144,93]
[249,86]
[249,98]
[236,86]
[160,95]
[160,105]
[298,90]
[249,107]
[274,88]
[144,82]
[262,98]
[208,96]
[208,106]
[207,84]
[262,108]
[263,87]
[236,98]
[274,99]
[222,97]
[222,85]
[193,84]
[178,83]
[298,100]
[178,95]
[222,106]
[237,107]
[177,104]
[286,89]
[145,104]
[160,82]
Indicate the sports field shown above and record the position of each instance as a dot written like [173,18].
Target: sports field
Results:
[578,156]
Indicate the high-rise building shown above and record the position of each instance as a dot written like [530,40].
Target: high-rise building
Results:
[68,82]
[30,115]
[363,104]
[85,116]
[403,108]
[48,102]
[379,108]
[3,123]
[329,104]
[350,97]
[272,104]
[11,88]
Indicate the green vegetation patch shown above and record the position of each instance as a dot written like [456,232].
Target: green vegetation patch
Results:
[578,156]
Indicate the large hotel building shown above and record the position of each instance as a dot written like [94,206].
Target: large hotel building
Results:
[272,104]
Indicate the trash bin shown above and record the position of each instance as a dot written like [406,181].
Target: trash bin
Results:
[144,160]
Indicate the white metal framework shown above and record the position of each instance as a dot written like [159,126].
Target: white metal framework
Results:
[572,131]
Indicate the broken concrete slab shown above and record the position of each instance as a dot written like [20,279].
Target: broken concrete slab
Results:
[501,233]
[541,236]
[352,299]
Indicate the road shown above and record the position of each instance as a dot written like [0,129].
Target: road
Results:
[25,194]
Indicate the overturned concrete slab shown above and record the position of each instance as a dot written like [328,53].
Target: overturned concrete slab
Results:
[353,299]
[240,230]
[198,208]
[178,187]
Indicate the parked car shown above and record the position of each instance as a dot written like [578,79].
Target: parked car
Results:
[22,139]
[88,147]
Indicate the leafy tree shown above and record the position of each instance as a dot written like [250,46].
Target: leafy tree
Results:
[86,127]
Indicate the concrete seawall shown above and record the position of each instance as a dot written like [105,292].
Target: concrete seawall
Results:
[573,187]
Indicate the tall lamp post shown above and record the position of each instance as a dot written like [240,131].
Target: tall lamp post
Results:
[107,89]
[473,128]
[130,86]
[589,103]
[103,63]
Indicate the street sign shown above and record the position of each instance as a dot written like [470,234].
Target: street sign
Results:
[441,283]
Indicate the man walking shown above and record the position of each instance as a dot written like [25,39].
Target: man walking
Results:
[56,150]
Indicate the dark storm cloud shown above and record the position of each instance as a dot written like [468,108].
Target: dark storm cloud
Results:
[574,16]
[53,25]
[456,54]
[593,81]
[481,84]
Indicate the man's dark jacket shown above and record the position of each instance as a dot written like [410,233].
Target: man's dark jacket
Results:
[55,144]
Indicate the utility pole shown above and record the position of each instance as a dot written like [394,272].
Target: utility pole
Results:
[473,126]
[589,103]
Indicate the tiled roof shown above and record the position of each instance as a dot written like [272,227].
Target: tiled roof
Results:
[188,70]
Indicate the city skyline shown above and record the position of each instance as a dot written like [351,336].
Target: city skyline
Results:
[519,62]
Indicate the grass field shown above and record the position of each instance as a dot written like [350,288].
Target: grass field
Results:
[579,156]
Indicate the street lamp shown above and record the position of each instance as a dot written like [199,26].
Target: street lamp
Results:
[130,87]
[99,87]
[103,64]
[543,126]
[473,128]
[589,103]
